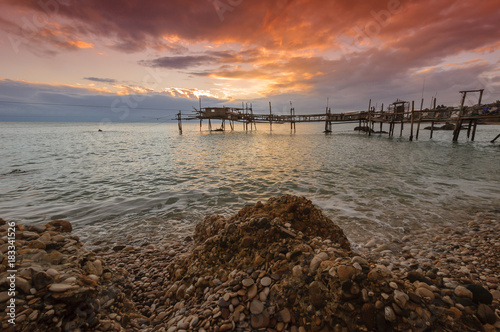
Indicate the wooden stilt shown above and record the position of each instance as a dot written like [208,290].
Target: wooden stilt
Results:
[418,126]
[493,140]
[458,125]
[456,133]
[401,131]
[179,122]
[469,127]
[474,130]
[412,115]
[432,128]
[270,118]
[368,120]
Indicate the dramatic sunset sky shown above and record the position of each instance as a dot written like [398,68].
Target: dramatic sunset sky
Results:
[134,59]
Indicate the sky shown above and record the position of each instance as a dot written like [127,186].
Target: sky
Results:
[134,60]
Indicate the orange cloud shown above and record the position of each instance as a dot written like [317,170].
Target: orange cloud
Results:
[488,48]
[80,44]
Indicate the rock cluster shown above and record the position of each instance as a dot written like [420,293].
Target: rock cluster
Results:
[284,266]
[60,286]
[277,266]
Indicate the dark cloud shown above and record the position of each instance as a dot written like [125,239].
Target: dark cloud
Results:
[247,56]
[100,80]
[179,62]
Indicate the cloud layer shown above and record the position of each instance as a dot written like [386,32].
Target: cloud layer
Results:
[348,50]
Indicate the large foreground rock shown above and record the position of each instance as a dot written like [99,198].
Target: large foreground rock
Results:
[283,265]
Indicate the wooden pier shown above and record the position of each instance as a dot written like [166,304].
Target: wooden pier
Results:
[398,113]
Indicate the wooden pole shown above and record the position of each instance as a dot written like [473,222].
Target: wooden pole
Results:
[253,118]
[179,122]
[474,131]
[270,118]
[458,125]
[401,131]
[493,140]
[412,111]
[432,128]
[209,125]
[368,120]
[469,128]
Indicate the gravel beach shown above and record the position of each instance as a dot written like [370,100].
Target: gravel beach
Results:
[279,265]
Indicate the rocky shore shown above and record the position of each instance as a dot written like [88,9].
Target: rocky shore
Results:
[275,266]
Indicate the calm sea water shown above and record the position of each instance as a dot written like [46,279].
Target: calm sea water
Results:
[147,180]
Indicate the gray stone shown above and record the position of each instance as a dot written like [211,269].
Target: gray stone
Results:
[266,281]
[317,260]
[389,314]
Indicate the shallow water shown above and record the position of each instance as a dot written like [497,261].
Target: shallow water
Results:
[146,179]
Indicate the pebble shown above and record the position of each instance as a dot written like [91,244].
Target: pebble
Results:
[315,262]
[345,272]
[425,293]
[389,314]
[273,284]
[59,288]
[252,291]
[401,298]
[463,292]
[266,281]
[256,307]
[247,282]
[285,315]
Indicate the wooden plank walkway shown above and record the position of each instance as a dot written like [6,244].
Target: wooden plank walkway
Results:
[398,113]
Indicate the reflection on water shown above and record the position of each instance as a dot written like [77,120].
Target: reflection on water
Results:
[148,179]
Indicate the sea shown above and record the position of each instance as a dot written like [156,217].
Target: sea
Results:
[119,182]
